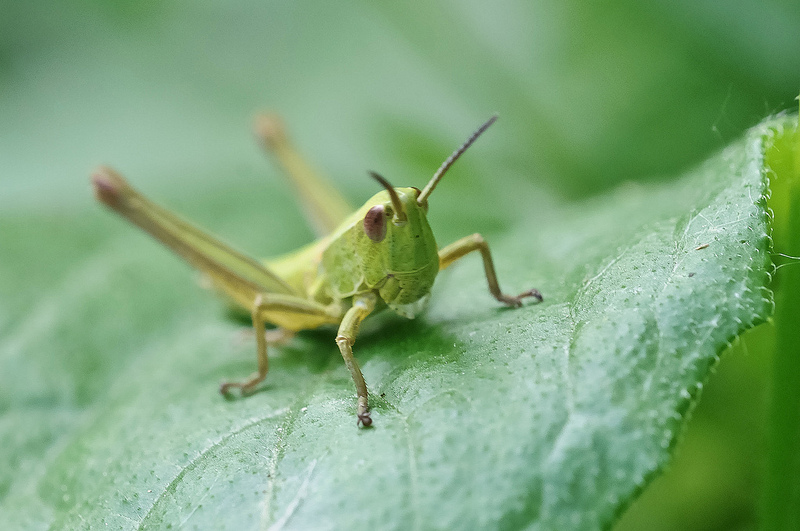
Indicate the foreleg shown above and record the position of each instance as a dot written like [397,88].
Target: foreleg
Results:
[475,242]
[362,307]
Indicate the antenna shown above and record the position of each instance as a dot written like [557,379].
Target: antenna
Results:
[423,196]
[399,213]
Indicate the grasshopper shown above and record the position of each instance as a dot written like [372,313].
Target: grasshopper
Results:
[383,254]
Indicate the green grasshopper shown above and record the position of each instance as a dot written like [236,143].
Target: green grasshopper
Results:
[383,254]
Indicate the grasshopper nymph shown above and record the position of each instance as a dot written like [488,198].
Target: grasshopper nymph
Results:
[383,254]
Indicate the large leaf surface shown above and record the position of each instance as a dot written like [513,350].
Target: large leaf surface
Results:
[552,415]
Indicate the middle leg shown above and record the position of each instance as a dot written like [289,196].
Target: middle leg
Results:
[273,302]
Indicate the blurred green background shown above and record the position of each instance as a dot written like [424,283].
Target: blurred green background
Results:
[590,95]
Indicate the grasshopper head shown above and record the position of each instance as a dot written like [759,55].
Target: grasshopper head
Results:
[403,254]
[400,257]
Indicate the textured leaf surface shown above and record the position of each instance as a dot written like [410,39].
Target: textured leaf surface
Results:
[551,416]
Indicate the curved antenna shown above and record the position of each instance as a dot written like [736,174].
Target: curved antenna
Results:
[399,213]
[423,196]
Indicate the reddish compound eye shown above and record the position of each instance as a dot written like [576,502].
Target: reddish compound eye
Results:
[375,223]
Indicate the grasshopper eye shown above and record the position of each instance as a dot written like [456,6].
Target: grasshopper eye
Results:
[375,223]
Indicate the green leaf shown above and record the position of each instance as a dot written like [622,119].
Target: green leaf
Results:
[549,416]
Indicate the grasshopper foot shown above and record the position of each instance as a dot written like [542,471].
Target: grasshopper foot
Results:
[364,419]
[516,302]
[246,387]
[363,413]
[225,387]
